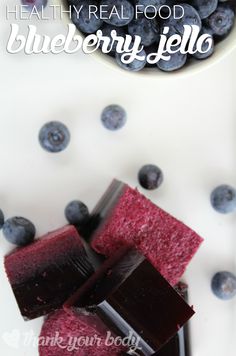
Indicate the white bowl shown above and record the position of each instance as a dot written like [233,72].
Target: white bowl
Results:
[222,49]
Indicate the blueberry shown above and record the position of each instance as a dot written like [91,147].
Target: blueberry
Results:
[210,51]
[177,60]
[1,219]
[31,4]
[19,231]
[135,66]
[125,12]
[76,213]
[223,285]
[221,21]
[54,136]
[151,4]
[83,20]
[106,31]
[150,176]
[205,7]
[74,2]
[190,17]
[146,29]
[113,117]
[223,199]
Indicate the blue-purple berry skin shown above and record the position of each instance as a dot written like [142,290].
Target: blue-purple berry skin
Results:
[136,65]
[113,117]
[223,199]
[125,12]
[222,20]
[204,7]
[177,60]
[84,21]
[106,31]
[223,285]
[190,17]
[19,231]
[1,218]
[150,177]
[34,4]
[210,51]
[147,29]
[54,136]
[145,4]
[77,213]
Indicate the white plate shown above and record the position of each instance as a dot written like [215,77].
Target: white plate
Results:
[186,126]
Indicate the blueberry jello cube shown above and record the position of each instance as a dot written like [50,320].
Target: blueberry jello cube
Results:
[179,345]
[45,273]
[124,216]
[73,330]
[130,296]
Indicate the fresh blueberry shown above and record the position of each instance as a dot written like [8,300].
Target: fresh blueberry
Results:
[223,199]
[150,176]
[190,17]
[136,65]
[150,5]
[76,213]
[123,15]
[74,2]
[223,285]
[54,136]
[1,219]
[221,21]
[205,7]
[205,47]
[177,60]
[146,29]
[34,4]
[19,231]
[113,117]
[83,20]
[106,31]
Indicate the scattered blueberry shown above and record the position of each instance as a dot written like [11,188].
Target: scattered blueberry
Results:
[19,231]
[146,29]
[177,60]
[113,117]
[125,12]
[1,219]
[223,199]
[222,20]
[223,285]
[134,66]
[83,20]
[54,136]
[205,7]
[150,177]
[76,213]
[37,4]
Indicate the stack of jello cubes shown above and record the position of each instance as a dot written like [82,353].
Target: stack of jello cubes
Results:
[117,285]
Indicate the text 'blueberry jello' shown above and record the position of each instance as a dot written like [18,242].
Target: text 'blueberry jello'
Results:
[45,273]
[132,299]
[124,216]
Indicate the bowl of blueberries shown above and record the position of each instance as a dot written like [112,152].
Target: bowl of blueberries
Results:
[149,19]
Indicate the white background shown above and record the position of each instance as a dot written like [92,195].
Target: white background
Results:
[186,126]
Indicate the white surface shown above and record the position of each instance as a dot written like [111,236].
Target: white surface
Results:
[187,127]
